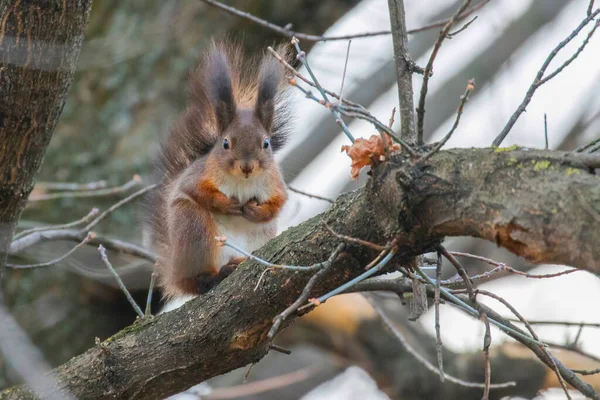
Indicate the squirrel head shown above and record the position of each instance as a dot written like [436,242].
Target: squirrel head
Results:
[244,148]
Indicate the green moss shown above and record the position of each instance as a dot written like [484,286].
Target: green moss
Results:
[135,327]
[571,171]
[554,210]
[512,161]
[520,166]
[505,149]
[541,165]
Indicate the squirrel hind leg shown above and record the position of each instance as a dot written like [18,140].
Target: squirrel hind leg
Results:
[207,282]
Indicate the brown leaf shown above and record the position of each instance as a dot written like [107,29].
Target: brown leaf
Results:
[364,152]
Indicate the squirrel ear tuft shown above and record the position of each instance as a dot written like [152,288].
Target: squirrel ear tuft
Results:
[219,87]
[270,77]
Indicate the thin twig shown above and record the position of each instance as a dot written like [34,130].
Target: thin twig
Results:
[80,221]
[539,78]
[356,241]
[280,349]
[284,31]
[148,311]
[137,308]
[563,323]
[344,74]
[370,272]
[590,8]
[90,236]
[312,196]
[586,372]
[436,301]
[546,132]
[345,107]
[487,341]
[503,267]
[224,242]
[463,99]
[305,292]
[66,186]
[338,118]
[88,193]
[535,336]
[463,28]
[120,203]
[396,332]
[581,148]
[429,68]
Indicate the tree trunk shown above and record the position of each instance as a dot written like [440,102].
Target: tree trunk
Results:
[39,46]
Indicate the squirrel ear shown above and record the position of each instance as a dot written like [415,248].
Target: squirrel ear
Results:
[269,78]
[220,88]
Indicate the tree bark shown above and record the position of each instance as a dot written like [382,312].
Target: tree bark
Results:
[39,46]
[522,199]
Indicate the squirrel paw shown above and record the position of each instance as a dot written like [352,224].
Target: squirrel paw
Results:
[255,212]
[205,283]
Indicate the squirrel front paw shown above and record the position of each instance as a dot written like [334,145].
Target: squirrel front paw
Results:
[255,212]
[229,206]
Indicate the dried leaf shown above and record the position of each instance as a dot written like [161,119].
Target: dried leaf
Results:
[364,151]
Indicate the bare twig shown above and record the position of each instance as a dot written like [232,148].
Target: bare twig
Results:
[338,118]
[344,74]
[546,131]
[285,31]
[587,146]
[463,99]
[80,221]
[90,236]
[344,107]
[539,78]
[370,272]
[312,196]
[429,68]
[88,193]
[463,28]
[504,267]
[120,203]
[487,341]
[354,240]
[396,332]
[137,308]
[280,349]
[436,302]
[530,329]
[66,186]
[586,372]
[148,311]
[564,323]
[590,8]
[404,68]
[305,292]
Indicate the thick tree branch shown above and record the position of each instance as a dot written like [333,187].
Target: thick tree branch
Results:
[521,199]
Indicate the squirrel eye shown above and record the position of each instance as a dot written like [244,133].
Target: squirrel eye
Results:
[266,143]
[226,144]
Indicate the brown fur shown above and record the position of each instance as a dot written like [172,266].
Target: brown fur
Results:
[232,100]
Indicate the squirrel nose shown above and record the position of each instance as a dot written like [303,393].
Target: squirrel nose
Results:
[247,168]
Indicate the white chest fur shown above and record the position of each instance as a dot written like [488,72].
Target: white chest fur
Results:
[243,233]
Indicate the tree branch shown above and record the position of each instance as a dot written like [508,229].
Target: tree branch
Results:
[459,192]
[404,66]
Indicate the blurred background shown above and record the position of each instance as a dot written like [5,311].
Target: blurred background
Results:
[130,85]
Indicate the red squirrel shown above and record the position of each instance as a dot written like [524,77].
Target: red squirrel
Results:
[218,175]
